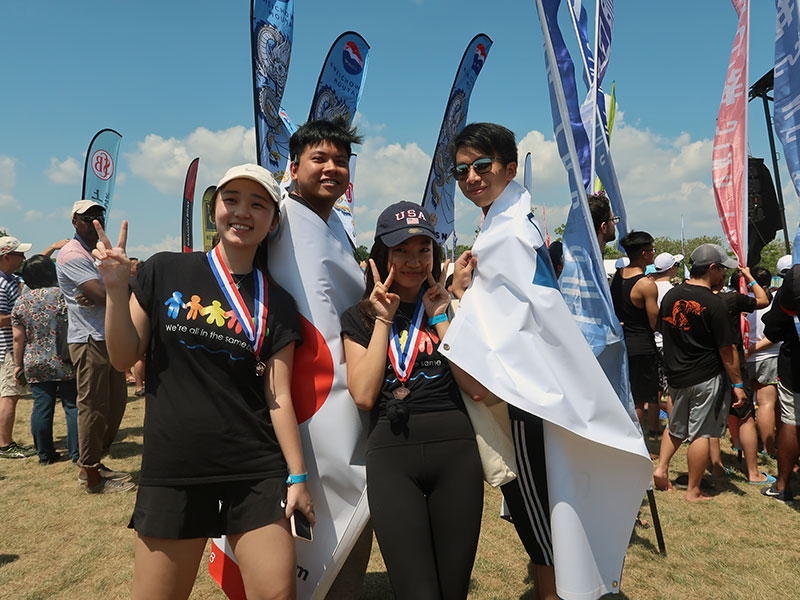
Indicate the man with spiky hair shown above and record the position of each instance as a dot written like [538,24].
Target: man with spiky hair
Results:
[635,298]
[312,258]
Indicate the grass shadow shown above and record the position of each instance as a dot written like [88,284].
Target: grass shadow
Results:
[125,449]
[644,542]
[6,559]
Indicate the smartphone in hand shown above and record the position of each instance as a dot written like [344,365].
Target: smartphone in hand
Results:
[301,528]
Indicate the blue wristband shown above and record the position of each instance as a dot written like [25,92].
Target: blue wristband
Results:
[301,478]
[752,283]
[738,385]
[438,319]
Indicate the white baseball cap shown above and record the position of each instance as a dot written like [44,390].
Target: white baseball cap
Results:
[665,261]
[623,261]
[784,264]
[254,173]
[81,206]
[10,244]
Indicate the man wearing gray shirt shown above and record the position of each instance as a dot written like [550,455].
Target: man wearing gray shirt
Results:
[101,388]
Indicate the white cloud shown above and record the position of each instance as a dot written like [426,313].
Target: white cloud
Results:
[385,174]
[163,162]
[68,171]
[8,181]
[33,215]
[169,243]
[365,125]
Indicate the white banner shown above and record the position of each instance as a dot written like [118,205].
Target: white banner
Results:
[514,333]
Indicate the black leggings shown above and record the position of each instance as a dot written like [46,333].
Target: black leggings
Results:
[425,490]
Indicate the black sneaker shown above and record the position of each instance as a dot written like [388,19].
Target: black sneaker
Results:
[784,495]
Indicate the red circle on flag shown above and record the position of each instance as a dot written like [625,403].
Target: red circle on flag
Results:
[312,372]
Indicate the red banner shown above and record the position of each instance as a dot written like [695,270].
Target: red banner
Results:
[729,158]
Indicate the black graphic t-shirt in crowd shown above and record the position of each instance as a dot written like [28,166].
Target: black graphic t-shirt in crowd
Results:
[694,323]
[430,381]
[206,416]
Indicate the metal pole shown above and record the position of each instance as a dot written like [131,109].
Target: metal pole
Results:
[651,498]
[776,172]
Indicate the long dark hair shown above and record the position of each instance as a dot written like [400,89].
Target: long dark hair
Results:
[380,255]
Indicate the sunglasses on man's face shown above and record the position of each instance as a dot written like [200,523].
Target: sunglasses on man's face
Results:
[481,166]
[88,219]
[613,219]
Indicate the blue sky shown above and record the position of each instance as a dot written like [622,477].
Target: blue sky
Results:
[174,78]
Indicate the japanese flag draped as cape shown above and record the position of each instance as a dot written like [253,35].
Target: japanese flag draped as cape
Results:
[514,333]
[312,261]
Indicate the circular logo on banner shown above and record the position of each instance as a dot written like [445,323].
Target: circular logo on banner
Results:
[351,57]
[102,165]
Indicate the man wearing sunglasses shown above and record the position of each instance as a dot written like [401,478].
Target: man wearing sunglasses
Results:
[101,388]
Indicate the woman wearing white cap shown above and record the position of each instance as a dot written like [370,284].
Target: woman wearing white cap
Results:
[220,429]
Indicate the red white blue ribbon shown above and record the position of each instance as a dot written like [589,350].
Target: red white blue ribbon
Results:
[402,359]
[254,327]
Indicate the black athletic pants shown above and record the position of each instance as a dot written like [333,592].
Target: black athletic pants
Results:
[527,496]
[425,490]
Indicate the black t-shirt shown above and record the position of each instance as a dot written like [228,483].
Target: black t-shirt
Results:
[639,337]
[694,323]
[430,382]
[737,304]
[779,326]
[206,417]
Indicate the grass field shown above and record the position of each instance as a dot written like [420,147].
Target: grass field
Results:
[58,543]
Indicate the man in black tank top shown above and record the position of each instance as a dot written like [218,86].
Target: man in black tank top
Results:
[635,298]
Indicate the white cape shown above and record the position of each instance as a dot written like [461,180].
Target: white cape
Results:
[514,333]
[313,261]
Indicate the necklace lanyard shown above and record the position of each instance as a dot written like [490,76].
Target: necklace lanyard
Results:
[254,327]
[403,359]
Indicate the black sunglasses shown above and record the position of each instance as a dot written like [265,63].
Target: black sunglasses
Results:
[613,219]
[88,219]
[481,166]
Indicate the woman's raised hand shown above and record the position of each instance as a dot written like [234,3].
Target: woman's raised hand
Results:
[112,262]
[383,302]
[437,298]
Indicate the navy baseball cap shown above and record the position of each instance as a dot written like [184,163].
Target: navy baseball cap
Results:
[401,221]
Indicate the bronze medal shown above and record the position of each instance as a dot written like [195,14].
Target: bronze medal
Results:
[261,368]
[401,393]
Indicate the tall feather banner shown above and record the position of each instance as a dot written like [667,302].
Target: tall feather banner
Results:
[187,205]
[338,93]
[729,155]
[787,84]
[440,187]
[272,26]
[100,169]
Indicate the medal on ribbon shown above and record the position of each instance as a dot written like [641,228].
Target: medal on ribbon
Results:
[254,326]
[402,358]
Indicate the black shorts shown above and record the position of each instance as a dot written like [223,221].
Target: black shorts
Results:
[527,496]
[194,511]
[644,378]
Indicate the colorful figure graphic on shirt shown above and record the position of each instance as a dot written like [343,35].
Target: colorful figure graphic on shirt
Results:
[174,305]
[233,322]
[194,307]
[427,341]
[215,313]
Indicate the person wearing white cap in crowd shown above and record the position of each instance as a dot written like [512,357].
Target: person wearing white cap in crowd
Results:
[221,431]
[662,271]
[12,254]
[784,264]
[101,388]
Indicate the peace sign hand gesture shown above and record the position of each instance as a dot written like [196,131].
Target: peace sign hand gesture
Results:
[112,262]
[436,299]
[383,302]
